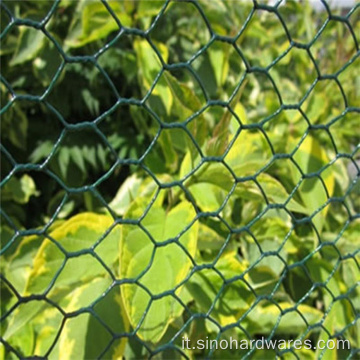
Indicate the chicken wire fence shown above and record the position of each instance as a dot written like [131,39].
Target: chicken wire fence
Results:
[63,294]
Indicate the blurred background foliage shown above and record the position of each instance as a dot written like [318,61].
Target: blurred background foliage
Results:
[270,94]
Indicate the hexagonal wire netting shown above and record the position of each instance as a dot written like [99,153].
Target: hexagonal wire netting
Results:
[231,128]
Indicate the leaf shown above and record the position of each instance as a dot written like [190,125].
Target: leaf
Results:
[125,195]
[311,158]
[47,63]
[231,300]
[275,192]
[20,190]
[216,174]
[185,104]
[41,151]
[341,313]
[317,106]
[66,209]
[321,272]
[83,336]
[240,111]
[135,189]
[64,160]
[219,54]
[210,186]
[79,233]
[15,125]
[90,101]
[173,101]
[248,154]
[186,165]
[78,158]
[27,313]
[150,66]
[263,279]
[146,10]
[24,340]
[47,324]
[94,22]
[217,144]
[209,239]
[184,96]
[19,265]
[208,197]
[171,156]
[263,319]
[168,265]
[30,43]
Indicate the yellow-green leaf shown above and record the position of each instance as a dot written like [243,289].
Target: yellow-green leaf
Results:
[158,269]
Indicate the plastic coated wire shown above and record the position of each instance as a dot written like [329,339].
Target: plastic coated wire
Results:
[92,188]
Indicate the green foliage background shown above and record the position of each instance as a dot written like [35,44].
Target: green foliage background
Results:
[174,169]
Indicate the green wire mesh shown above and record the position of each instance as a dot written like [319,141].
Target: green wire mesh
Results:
[236,40]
